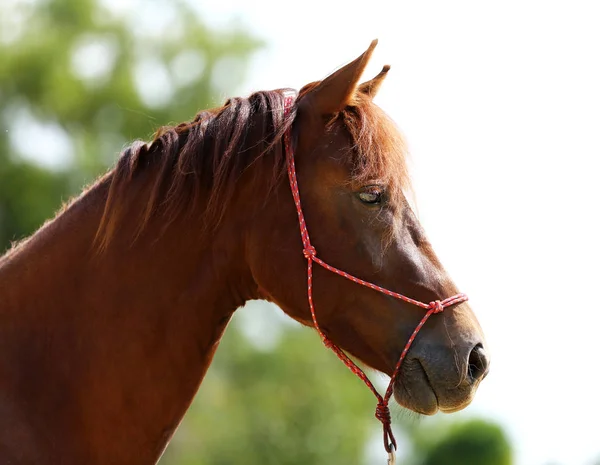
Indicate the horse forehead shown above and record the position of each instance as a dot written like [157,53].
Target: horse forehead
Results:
[347,150]
[333,147]
[333,166]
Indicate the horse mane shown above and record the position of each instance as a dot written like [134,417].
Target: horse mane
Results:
[211,152]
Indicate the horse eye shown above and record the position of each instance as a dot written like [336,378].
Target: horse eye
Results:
[371,195]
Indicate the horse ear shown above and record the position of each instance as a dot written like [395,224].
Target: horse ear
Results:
[371,87]
[336,91]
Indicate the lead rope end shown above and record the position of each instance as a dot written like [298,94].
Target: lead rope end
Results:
[391,455]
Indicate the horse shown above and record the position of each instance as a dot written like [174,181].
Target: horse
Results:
[111,312]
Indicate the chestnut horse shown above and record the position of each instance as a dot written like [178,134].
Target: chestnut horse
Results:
[110,313]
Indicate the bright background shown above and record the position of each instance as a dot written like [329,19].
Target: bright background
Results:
[500,105]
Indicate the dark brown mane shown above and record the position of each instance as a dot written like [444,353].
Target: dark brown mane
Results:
[211,152]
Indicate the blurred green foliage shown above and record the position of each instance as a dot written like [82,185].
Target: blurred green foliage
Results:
[471,442]
[103,79]
[98,78]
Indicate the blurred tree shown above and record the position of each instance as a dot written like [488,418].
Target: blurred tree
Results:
[78,81]
[28,195]
[470,442]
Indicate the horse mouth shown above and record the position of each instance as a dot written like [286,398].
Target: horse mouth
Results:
[414,391]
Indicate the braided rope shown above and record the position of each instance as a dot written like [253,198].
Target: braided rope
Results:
[382,411]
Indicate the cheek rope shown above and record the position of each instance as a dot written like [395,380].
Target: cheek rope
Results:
[382,411]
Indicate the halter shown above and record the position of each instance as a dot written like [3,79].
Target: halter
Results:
[382,412]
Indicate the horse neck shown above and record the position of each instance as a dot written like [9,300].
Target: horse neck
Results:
[120,339]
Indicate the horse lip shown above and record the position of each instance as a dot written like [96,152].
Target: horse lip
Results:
[429,384]
[418,377]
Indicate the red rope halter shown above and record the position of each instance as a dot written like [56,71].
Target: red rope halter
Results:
[382,412]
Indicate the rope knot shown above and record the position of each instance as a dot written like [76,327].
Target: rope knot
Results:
[436,306]
[327,342]
[309,252]
[382,413]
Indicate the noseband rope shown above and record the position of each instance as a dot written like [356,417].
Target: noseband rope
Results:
[382,412]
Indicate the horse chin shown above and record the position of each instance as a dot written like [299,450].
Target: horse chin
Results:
[414,391]
[452,409]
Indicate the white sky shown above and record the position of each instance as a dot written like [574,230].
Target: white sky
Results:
[500,104]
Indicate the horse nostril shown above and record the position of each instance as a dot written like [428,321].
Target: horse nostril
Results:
[478,362]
